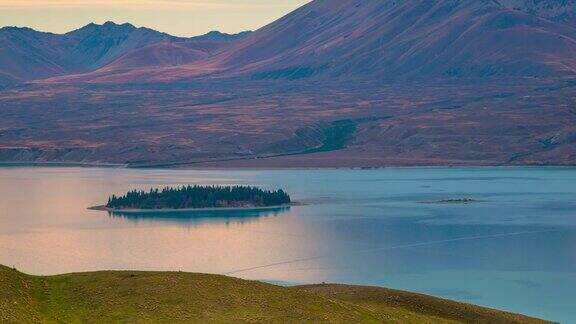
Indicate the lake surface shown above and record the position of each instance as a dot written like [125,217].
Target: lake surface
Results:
[514,250]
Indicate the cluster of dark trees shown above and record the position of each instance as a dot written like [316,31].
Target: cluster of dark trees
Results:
[199,197]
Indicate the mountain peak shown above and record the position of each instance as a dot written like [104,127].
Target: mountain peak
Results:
[220,36]
[111,24]
[16,29]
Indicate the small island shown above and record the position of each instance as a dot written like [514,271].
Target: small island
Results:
[196,198]
[452,201]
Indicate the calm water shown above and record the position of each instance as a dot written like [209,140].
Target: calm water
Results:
[516,250]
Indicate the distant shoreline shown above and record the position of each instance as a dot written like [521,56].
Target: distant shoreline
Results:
[104,208]
[63,164]
[7,164]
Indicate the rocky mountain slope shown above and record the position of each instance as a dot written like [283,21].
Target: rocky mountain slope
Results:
[561,11]
[390,39]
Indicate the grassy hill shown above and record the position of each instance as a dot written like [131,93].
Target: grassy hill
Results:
[144,297]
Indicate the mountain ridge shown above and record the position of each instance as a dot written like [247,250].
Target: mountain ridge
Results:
[27,54]
[387,40]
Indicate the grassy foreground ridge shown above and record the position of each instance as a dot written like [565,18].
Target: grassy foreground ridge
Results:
[144,297]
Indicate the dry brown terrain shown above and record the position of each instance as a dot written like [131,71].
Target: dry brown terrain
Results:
[271,123]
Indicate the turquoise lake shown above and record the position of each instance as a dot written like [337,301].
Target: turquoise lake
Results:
[515,249]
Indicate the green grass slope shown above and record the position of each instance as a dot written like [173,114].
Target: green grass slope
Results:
[173,297]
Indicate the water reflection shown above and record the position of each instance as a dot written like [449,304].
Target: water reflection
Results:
[197,217]
[516,250]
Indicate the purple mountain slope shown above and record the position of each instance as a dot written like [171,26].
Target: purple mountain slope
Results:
[392,39]
[411,38]
[26,54]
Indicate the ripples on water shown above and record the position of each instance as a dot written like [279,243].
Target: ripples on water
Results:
[515,250]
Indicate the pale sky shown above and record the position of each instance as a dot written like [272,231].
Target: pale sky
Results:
[176,17]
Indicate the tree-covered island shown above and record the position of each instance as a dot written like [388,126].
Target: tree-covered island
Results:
[198,197]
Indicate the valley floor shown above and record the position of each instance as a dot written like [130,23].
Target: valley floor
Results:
[185,297]
[292,123]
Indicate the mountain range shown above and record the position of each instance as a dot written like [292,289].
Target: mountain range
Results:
[331,38]
[27,54]
[336,82]
[393,39]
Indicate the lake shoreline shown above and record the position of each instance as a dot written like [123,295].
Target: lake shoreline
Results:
[203,167]
[17,164]
[8,165]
